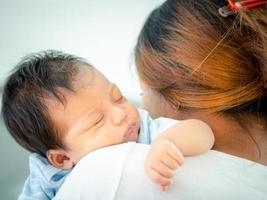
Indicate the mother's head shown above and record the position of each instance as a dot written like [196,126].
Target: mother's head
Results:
[201,62]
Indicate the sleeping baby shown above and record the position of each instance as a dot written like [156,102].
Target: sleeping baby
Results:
[61,108]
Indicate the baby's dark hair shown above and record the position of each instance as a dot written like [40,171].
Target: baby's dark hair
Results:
[34,78]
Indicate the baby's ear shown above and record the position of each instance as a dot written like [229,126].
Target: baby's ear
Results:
[59,159]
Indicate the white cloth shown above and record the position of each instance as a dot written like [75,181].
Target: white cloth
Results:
[117,173]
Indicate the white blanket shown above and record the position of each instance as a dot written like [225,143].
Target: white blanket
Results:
[117,173]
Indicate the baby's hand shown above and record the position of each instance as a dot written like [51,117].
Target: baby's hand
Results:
[162,160]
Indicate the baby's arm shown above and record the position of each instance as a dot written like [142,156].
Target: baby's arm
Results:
[189,137]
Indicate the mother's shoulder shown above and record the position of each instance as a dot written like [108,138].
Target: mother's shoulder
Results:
[117,172]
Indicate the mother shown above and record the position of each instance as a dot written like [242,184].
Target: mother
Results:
[195,64]
[210,68]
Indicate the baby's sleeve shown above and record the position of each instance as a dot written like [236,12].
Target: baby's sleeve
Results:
[151,128]
[44,180]
[32,190]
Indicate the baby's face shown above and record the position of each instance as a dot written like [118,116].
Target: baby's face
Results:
[94,116]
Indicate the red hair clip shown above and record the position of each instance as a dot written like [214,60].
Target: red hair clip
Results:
[234,7]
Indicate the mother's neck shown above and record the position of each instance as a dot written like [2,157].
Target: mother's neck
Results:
[247,140]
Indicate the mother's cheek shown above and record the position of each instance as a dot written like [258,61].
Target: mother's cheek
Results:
[153,103]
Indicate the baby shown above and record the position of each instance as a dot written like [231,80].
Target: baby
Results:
[62,108]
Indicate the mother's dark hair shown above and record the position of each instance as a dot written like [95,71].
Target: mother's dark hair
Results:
[199,60]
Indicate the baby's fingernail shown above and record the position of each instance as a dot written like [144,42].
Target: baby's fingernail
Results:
[164,188]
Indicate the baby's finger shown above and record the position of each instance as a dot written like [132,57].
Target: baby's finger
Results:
[158,178]
[164,188]
[164,170]
[174,152]
[170,162]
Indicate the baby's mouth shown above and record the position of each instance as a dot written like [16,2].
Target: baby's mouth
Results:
[131,133]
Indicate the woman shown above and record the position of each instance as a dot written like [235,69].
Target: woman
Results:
[193,63]
[204,66]
[211,68]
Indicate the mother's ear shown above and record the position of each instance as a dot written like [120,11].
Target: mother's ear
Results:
[59,159]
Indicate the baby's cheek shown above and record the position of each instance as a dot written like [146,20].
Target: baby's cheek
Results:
[137,116]
[81,149]
[133,113]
